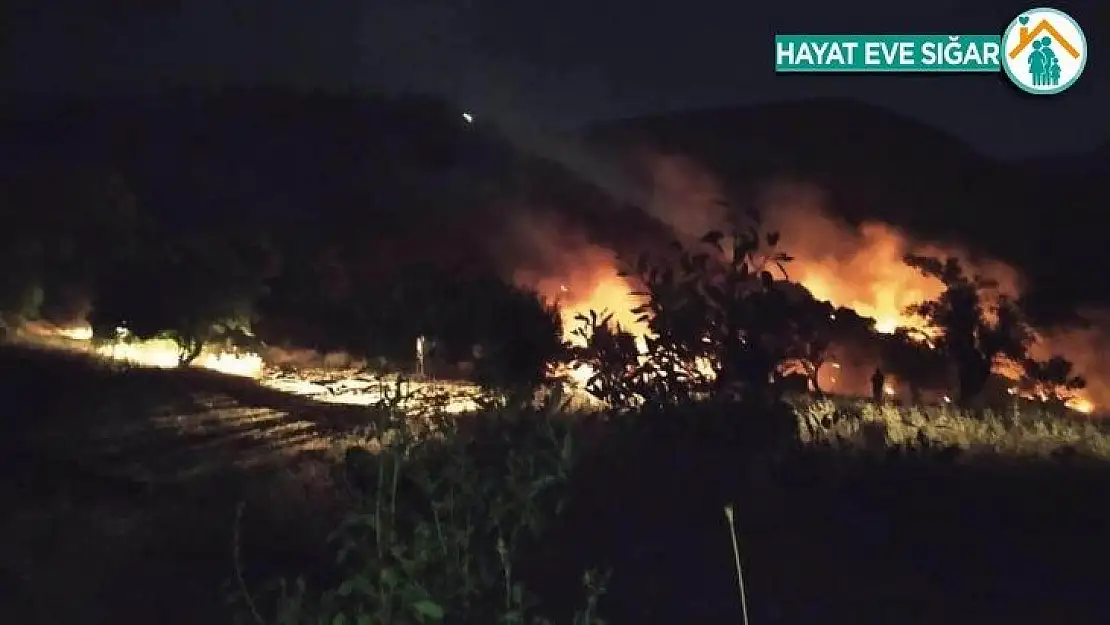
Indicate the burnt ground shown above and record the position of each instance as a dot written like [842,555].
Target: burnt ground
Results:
[121,488]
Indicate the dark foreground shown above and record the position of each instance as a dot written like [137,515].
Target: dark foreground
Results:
[120,495]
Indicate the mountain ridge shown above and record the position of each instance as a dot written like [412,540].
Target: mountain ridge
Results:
[879,165]
[376,165]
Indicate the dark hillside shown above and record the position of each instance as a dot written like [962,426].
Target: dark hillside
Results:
[880,166]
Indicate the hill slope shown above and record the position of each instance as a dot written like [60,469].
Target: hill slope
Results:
[407,176]
[879,165]
[395,173]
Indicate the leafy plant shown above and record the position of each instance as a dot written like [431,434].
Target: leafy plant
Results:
[611,357]
[718,326]
[518,335]
[194,291]
[976,324]
[443,519]
[1052,380]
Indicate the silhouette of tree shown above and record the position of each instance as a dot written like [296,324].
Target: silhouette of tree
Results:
[60,231]
[809,342]
[742,307]
[90,220]
[974,329]
[518,335]
[717,323]
[1052,380]
[195,290]
[909,358]
[318,300]
[612,359]
[21,266]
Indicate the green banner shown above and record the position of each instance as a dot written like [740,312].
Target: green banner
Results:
[887,53]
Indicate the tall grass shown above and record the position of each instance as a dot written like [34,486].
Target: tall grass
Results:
[443,516]
[1020,430]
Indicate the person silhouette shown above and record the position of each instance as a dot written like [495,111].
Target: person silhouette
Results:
[1037,62]
[421,353]
[878,385]
[1046,49]
[1049,58]
[1054,72]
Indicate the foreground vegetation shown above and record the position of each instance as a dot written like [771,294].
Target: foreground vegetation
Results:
[252,506]
[1022,429]
[180,496]
[516,516]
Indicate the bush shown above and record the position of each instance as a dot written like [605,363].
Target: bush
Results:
[444,514]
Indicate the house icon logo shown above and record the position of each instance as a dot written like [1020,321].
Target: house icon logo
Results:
[1044,51]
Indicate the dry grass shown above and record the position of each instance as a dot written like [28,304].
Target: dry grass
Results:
[199,443]
[1020,430]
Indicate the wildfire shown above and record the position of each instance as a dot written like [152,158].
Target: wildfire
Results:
[860,268]
[609,293]
[871,280]
[77,333]
[580,278]
[355,388]
[160,353]
[880,289]
[1081,404]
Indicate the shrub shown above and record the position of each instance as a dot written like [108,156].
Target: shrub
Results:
[442,518]
[717,320]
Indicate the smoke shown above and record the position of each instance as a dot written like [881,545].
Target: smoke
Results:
[1086,349]
[854,266]
[560,262]
[859,267]
[862,267]
[311,359]
[685,196]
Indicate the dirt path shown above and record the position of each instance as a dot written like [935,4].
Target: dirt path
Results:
[121,488]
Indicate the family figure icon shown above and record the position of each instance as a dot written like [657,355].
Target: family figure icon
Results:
[1043,64]
[1045,51]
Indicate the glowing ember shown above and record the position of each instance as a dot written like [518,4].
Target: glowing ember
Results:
[611,294]
[353,388]
[581,374]
[244,365]
[163,354]
[159,353]
[78,333]
[886,326]
[1082,405]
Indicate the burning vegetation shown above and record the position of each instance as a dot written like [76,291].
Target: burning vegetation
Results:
[875,299]
[829,302]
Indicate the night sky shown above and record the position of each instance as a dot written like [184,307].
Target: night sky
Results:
[549,64]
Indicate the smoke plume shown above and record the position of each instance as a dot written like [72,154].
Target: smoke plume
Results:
[559,261]
[858,266]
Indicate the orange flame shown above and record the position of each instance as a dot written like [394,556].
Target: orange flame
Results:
[861,268]
[159,353]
